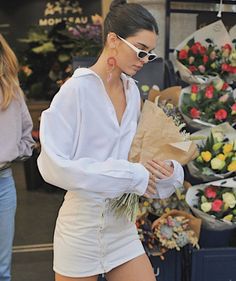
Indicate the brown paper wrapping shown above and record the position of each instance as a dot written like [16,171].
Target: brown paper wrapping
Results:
[194,223]
[171,94]
[156,134]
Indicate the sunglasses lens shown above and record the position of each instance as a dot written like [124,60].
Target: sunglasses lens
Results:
[151,57]
[142,54]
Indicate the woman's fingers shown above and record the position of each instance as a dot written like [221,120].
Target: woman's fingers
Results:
[159,168]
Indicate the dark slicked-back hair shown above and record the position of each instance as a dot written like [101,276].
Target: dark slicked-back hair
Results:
[126,19]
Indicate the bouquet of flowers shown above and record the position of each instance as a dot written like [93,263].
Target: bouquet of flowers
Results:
[177,229]
[208,105]
[157,207]
[153,209]
[206,54]
[159,139]
[214,203]
[217,157]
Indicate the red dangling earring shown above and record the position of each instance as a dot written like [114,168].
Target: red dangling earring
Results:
[111,62]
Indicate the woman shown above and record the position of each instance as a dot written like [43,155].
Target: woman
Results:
[15,142]
[86,135]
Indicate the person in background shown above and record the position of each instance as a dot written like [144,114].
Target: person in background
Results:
[86,135]
[15,143]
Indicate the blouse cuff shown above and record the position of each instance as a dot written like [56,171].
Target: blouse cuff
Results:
[166,187]
[140,179]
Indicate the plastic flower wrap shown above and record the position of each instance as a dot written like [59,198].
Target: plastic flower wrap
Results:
[217,154]
[214,203]
[208,105]
[207,53]
[157,136]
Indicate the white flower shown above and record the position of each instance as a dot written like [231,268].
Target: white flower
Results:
[206,207]
[229,199]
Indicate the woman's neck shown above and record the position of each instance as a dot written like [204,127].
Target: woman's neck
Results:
[104,71]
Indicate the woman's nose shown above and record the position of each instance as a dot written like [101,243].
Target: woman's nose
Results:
[144,60]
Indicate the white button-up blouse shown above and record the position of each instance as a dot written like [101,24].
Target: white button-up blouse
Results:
[83,145]
[85,148]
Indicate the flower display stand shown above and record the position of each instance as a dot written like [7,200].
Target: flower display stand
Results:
[216,264]
[168,269]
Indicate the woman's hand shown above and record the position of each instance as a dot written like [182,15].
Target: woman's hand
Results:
[158,170]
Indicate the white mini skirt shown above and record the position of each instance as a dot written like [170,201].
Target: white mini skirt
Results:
[89,239]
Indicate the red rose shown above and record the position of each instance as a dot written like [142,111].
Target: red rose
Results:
[194,49]
[202,50]
[210,192]
[192,68]
[221,114]
[225,67]
[195,113]
[225,86]
[183,54]
[233,69]
[217,205]
[209,92]
[205,59]
[194,89]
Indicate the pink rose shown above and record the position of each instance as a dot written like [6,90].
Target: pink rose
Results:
[224,98]
[217,205]
[209,92]
[213,55]
[191,60]
[227,47]
[201,68]
[221,114]
[210,192]
[233,108]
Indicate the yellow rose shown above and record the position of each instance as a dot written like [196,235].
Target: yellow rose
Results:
[206,156]
[221,156]
[227,148]
[232,166]
[213,65]
[229,199]
[228,217]
[217,164]
[193,97]
[206,207]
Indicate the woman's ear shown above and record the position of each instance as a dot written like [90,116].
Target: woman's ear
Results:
[112,40]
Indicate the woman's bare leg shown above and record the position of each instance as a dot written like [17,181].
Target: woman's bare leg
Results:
[59,277]
[138,269]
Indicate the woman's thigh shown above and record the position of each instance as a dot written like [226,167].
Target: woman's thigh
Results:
[59,277]
[138,269]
